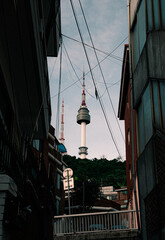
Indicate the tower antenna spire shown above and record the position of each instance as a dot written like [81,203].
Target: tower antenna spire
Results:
[83,118]
[61,139]
[83,93]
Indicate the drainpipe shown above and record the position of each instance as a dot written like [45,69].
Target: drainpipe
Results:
[132,127]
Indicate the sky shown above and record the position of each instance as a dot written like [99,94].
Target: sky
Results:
[108,25]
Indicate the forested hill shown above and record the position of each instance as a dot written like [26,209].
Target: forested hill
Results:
[105,172]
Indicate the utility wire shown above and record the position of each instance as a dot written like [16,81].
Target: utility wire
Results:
[80,78]
[71,64]
[96,91]
[53,69]
[75,71]
[101,70]
[106,53]
[109,87]
[93,67]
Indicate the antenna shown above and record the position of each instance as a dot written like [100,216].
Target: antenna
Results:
[61,139]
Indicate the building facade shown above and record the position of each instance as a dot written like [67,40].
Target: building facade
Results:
[124,113]
[30,31]
[54,166]
[147,76]
[118,196]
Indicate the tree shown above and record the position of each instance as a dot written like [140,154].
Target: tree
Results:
[90,174]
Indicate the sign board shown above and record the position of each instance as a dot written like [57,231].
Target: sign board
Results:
[68,172]
[71,183]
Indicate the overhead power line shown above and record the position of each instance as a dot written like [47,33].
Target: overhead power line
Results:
[93,67]
[101,71]
[96,90]
[51,74]
[106,53]
[75,71]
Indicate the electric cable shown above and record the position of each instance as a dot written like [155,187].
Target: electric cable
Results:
[71,64]
[80,78]
[94,66]
[106,53]
[68,61]
[75,71]
[117,121]
[53,69]
[96,90]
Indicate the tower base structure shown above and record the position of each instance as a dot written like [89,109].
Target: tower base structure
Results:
[83,152]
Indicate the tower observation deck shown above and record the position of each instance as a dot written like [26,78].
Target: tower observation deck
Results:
[83,118]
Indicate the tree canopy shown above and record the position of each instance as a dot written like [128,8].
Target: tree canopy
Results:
[102,171]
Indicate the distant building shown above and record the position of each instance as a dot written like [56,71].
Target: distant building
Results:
[108,192]
[104,205]
[118,196]
[122,197]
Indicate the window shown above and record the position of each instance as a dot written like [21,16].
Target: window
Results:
[36,144]
[141,26]
[155,10]
[130,173]
[149,15]
[144,112]
[156,14]
[135,45]
[57,207]
[110,198]
[129,137]
[156,103]
[139,33]
[58,181]
[124,192]
[145,119]
[147,113]
[162,99]
[114,197]
[140,127]
[162,13]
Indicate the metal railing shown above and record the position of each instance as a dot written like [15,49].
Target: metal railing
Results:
[89,222]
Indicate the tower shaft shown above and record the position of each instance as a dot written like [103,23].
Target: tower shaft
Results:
[83,134]
[83,148]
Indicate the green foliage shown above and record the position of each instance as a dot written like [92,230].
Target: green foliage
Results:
[101,171]
[87,192]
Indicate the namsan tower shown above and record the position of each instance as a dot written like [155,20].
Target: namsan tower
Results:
[83,118]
